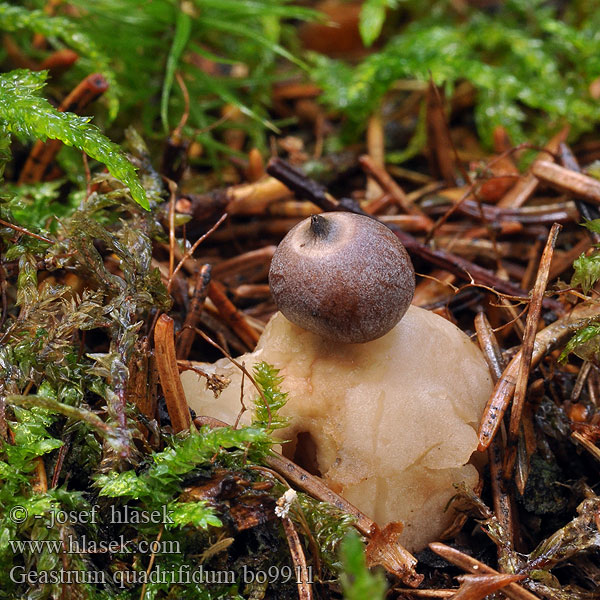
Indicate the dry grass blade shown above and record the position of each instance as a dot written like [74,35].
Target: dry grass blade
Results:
[166,363]
[533,317]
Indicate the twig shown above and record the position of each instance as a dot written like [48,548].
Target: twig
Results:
[588,212]
[242,262]
[192,249]
[438,135]
[260,291]
[172,241]
[166,362]
[231,315]
[253,198]
[478,587]
[383,543]
[39,481]
[426,593]
[587,444]
[545,214]
[568,180]
[299,560]
[384,179]
[305,481]
[376,154]
[546,340]
[241,367]
[533,317]
[580,381]
[472,565]
[302,186]
[151,562]
[503,506]
[26,232]
[525,187]
[60,459]
[186,338]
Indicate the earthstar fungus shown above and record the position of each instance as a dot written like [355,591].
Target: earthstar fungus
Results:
[390,424]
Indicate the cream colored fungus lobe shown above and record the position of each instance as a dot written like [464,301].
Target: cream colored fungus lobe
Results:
[389,424]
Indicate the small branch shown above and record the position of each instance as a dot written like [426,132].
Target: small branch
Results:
[248,261]
[60,459]
[385,542]
[301,185]
[241,367]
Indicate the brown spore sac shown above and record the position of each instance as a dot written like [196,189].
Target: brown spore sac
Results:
[343,276]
